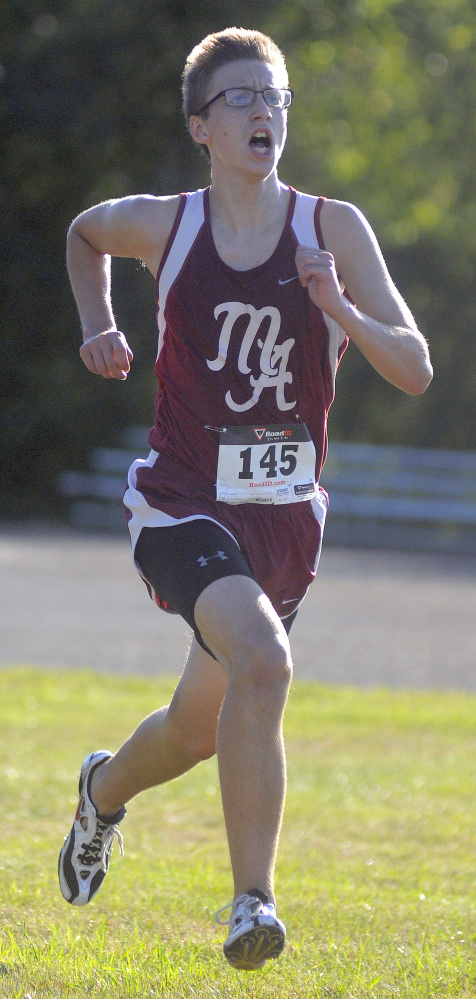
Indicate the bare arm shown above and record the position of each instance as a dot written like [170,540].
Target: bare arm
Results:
[380,323]
[131,227]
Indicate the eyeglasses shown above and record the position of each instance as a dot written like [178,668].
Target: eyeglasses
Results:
[243,97]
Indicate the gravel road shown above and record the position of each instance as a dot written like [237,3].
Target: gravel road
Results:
[372,618]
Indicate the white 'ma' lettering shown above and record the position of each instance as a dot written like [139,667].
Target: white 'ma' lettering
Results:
[273,359]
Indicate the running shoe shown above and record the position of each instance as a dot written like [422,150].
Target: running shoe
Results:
[255,935]
[84,858]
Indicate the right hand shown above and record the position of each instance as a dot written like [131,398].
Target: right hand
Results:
[107,354]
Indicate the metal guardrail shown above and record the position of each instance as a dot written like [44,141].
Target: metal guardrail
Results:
[401,497]
[412,498]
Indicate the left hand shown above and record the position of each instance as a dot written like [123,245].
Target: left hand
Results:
[317,273]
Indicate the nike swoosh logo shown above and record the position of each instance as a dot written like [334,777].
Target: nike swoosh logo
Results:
[293,601]
[287,280]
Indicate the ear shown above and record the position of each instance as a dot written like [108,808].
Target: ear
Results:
[198,129]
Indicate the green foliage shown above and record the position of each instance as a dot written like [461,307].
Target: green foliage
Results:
[385,117]
[90,109]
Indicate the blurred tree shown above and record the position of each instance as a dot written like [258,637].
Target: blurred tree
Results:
[90,109]
[385,116]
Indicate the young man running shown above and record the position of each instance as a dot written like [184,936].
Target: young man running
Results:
[225,516]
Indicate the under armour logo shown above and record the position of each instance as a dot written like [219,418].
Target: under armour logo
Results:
[204,561]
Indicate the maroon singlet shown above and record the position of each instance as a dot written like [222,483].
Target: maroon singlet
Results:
[237,348]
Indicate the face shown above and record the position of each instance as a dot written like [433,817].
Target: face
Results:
[243,138]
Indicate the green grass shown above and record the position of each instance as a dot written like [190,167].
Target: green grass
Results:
[376,875]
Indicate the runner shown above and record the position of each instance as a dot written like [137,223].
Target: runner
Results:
[256,285]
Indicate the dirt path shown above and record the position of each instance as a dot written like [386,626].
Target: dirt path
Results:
[372,617]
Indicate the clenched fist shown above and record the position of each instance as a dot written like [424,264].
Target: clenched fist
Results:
[107,354]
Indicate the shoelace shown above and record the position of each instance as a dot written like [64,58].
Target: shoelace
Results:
[246,906]
[99,848]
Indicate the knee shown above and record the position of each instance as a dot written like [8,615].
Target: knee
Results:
[202,746]
[266,666]
[195,742]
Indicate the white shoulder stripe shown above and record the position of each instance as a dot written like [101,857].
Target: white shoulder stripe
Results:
[303,220]
[336,339]
[190,224]
[305,230]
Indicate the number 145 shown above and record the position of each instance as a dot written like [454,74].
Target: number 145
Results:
[269,461]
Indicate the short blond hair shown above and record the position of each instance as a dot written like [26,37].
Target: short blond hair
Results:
[218,49]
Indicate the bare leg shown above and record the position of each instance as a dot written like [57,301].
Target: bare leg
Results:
[170,741]
[238,623]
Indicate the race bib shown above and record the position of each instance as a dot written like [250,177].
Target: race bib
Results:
[274,464]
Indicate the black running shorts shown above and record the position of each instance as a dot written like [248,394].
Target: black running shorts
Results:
[177,563]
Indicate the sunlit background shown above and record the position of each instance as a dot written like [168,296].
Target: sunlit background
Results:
[384,116]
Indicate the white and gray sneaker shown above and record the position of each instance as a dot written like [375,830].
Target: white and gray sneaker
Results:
[255,934]
[84,859]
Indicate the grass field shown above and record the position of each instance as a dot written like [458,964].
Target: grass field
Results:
[376,877]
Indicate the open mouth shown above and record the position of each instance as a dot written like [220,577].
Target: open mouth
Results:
[260,142]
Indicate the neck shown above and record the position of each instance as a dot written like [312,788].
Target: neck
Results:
[241,204]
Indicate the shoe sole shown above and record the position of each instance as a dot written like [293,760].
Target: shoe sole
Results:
[66,874]
[64,865]
[250,951]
